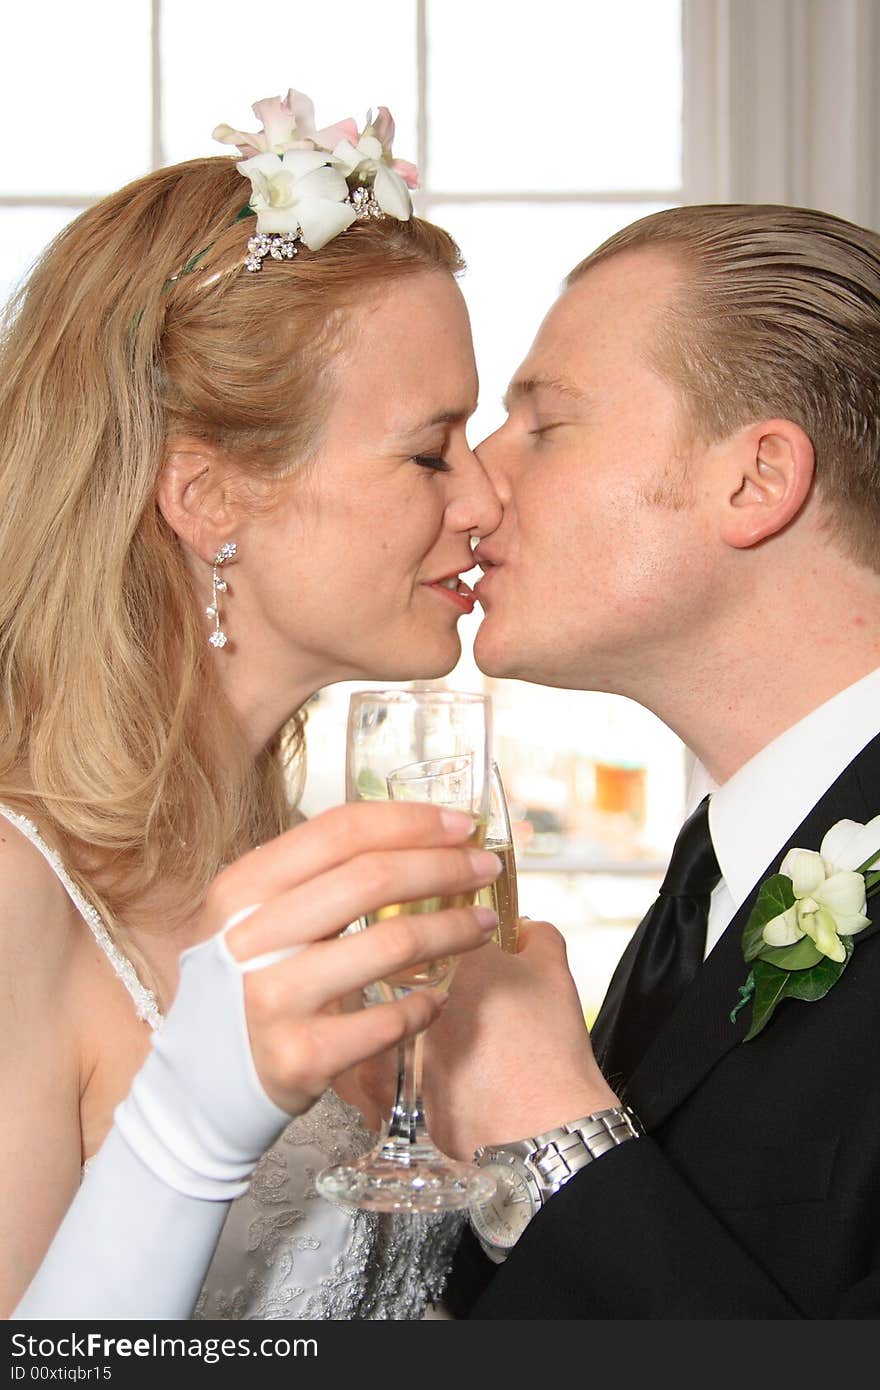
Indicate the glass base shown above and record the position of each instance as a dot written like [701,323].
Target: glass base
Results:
[406,1177]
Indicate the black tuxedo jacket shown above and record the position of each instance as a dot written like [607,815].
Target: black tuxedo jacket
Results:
[757,1191]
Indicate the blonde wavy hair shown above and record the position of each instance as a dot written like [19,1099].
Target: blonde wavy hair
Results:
[115,735]
[777,314]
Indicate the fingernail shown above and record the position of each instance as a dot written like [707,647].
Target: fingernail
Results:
[458,822]
[487,919]
[485,862]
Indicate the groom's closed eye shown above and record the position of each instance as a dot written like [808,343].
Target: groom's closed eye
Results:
[433,461]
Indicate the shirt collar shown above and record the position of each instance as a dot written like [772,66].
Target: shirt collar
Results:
[758,809]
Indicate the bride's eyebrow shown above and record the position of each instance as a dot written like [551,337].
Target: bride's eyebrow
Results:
[443,417]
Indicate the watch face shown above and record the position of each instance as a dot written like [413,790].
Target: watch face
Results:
[502,1219]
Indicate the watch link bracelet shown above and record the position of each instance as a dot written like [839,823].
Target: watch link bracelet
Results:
[530,1171]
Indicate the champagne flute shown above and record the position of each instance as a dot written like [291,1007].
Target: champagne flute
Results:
[424,745]
[501,895]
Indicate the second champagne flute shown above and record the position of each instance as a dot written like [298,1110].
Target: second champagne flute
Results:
[502,895]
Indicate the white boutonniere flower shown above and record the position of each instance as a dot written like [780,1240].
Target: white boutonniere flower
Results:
[799,934]
[829,902]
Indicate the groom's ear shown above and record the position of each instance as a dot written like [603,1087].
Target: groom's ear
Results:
[768,472]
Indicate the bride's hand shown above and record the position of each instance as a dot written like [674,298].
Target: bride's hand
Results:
[308,885]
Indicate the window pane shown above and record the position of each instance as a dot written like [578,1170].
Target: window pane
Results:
[555,96]
[76,120]
[24,232]
[347,57]
[518,255]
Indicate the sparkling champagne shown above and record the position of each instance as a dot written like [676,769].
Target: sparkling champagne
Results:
[435,973]
[502,897]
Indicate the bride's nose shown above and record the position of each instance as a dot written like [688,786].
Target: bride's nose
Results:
[473,504]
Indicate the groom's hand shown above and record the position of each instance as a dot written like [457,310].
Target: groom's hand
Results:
[510,1055]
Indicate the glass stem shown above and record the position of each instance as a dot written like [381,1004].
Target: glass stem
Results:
[406,1125]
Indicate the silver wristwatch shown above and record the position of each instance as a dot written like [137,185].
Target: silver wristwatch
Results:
[530,1171]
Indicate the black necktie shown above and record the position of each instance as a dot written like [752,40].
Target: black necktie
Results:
[664,955]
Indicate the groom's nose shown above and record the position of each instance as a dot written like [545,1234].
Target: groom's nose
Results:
[475,506]
[491,455]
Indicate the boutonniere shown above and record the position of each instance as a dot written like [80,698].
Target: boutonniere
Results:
[799,937]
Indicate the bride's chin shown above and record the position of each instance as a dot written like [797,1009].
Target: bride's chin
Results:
[423,665]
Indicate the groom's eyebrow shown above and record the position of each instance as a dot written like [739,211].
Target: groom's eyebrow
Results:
[528,385]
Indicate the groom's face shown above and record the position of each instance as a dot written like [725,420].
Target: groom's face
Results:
[603,550]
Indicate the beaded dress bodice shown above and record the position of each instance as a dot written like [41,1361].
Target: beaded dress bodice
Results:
[285,1251]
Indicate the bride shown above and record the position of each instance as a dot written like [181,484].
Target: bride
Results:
[233,470]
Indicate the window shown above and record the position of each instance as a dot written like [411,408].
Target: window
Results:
[538,131]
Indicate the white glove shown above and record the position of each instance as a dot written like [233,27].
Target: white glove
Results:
[138,1237]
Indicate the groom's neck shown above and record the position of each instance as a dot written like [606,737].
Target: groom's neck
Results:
[791,643]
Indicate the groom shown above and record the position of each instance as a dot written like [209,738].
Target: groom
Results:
[690,474]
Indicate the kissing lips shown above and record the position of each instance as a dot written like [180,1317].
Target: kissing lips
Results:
[489,569]
[455,591]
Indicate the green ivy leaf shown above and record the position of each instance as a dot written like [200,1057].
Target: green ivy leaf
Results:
[813,984]
[801,956]
[776,896]
[771,987]
[370,786]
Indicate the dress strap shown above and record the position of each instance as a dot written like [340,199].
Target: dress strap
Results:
[144,999]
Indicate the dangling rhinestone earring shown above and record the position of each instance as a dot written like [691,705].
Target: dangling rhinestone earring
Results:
[226,553]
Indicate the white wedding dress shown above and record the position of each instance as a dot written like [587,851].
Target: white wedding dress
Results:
[285,1251]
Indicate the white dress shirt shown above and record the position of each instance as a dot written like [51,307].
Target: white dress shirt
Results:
[756,810]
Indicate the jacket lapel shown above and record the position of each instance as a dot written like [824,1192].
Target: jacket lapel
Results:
[699,1031]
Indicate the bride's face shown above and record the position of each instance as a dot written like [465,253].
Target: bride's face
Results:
[354,553]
